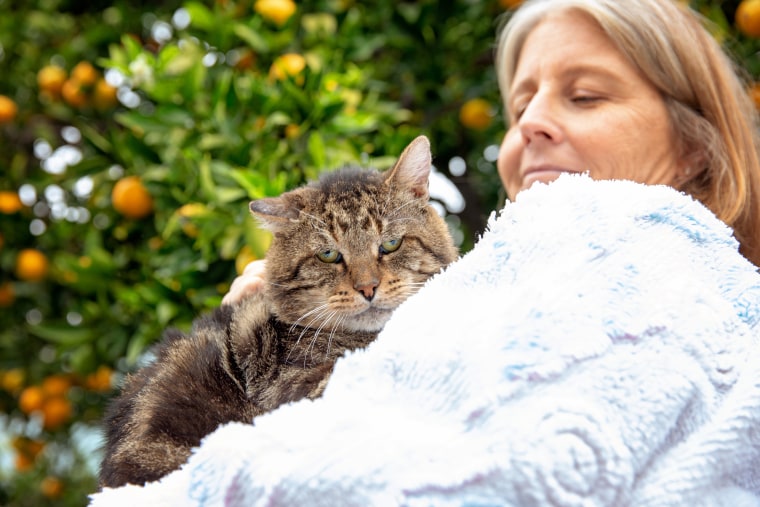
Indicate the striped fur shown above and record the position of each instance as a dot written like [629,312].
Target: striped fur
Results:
[280,345]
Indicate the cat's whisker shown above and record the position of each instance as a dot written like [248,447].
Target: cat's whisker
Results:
[313,310]
[338,323]
[320,311]
[327,319]
[309,348]
[386,203]
[308,327]
[399,208]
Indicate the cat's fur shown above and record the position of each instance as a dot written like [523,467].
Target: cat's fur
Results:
[280,345]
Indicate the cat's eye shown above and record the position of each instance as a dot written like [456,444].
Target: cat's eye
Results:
[329,256]
[389,246]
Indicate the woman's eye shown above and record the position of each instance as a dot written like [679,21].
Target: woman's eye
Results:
[329,256]
[585,99]
[389,246]
[518,110]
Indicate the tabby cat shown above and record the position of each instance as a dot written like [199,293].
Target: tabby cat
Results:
[346,251]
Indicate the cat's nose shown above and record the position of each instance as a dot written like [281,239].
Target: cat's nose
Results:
[367,288]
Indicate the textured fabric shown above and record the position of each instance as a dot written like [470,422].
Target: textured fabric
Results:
[598,347]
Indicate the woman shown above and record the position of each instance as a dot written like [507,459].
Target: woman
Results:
[622,89]
[633,90]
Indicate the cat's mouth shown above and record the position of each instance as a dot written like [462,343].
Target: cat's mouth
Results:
[371,319]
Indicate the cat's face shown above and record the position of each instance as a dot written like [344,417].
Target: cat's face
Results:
[351,248]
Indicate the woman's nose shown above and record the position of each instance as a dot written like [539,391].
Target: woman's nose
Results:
[538,120]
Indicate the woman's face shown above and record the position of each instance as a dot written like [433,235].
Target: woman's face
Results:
[576,105]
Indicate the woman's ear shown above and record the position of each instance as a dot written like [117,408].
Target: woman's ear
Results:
[692,165]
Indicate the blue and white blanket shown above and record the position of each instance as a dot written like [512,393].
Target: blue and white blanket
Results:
[598,347]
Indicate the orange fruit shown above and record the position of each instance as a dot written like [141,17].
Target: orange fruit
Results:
[56,385]
[73,93]
[292,130]
[84,74]
[289,64]
[31,265]
[13,380]
[55,412]
[8,109]
[23,463]
[27,446]
[51,487]
[104,95]
[510,4]
[31,400]
[245,59]
[476,114]
[10,202]
[50,79]
[130,198]
[155,243]
[7,295]
[100,381]
[747,17]
[277,11]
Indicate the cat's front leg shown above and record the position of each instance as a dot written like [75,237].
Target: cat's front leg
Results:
[253,343]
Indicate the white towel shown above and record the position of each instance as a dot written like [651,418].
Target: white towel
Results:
[598,347]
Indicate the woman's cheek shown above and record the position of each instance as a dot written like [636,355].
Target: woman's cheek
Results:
[508,162]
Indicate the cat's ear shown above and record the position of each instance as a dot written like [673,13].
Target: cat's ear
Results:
[412,168]
[274,213]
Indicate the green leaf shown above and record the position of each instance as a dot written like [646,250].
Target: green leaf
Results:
[208,187]
[252,38]
[355,123]
[131,46]
[212,141]
[179,62]
[95,137]
[82,359]
[200,16]
[316,149]
[227,195]
[258,185]
[139,342]
[410,12]
[62,334]
[230,242]
[166,311]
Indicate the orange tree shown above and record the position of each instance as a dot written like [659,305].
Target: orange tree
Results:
[133,137]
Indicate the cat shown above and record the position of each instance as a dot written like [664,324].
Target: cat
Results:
[346,251]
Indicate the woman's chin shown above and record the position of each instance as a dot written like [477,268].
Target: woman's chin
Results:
[544,176]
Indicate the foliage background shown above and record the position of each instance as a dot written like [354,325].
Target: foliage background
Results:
[195,112]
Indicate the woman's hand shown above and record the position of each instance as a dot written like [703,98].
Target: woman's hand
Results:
[247,284]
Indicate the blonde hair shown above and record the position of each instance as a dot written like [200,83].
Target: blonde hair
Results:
[709,107]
